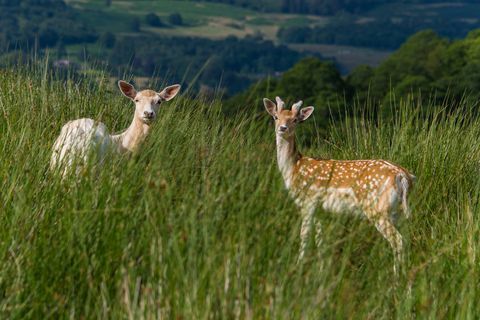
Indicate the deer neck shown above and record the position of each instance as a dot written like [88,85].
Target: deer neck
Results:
[129,140]
[287,156]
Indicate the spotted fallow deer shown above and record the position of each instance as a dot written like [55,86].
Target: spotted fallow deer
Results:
[377,189]
[81,138]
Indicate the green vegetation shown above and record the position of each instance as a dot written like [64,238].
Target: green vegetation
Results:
[28,23]
[128,37]
[199,225]
[426,64]
[427,67]
[179,38]
[317,82]
[153,20]
[333,7]
[233,63]
[175,19]
[387,26]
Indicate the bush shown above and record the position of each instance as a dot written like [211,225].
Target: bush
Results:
[175,19]
[107,40]
[153,20]
[135,25]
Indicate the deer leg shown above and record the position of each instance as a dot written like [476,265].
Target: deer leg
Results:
[394,238]
[307,217]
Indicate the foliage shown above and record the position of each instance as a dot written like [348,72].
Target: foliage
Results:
[430,64]
[232,63]
[107,40]
[382,33]
[135,24]
[323,7]
[427,66]
[23,22]
[314,81]
[153,20]
[175,19]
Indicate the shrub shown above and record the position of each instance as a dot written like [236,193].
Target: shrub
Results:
[153,20]
[175,19]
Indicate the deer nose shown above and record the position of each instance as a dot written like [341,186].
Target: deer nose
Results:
[148,114]
[282,128]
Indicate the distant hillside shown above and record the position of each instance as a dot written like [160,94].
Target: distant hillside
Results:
[225,46]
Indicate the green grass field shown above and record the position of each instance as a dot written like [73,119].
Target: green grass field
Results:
[198,225]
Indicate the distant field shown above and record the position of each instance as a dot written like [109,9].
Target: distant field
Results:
[209,20]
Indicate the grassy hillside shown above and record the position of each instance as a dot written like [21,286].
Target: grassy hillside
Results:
[198,225]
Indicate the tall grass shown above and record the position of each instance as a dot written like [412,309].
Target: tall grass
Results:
[198,225]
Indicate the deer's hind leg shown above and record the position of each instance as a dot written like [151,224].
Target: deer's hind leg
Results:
[388,230]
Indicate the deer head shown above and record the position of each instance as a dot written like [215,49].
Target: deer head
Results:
[147,102]
[286,120]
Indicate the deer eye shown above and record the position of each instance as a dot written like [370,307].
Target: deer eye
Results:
[137,100]
[275,118]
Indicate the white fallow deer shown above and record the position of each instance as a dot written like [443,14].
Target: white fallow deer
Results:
[84,137]
[377,189]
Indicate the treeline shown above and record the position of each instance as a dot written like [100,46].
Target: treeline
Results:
[317,7]
[427,67]
[41,23]
[232,64]
[320,7]
[333,7]
[380,33]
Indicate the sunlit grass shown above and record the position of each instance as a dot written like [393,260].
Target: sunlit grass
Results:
[197,224]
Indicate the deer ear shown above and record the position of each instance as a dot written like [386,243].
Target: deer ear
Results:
[127,89]
[304,113]
[170,92]
[270,106]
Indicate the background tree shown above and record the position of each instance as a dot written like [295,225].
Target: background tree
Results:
[175,19]
[153,20]
[107,39]
[60,50]
[135,25]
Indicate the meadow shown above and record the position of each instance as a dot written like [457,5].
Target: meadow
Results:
[198,225]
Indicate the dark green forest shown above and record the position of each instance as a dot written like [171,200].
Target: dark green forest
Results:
[322,7]
[43,23]
[385,33]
